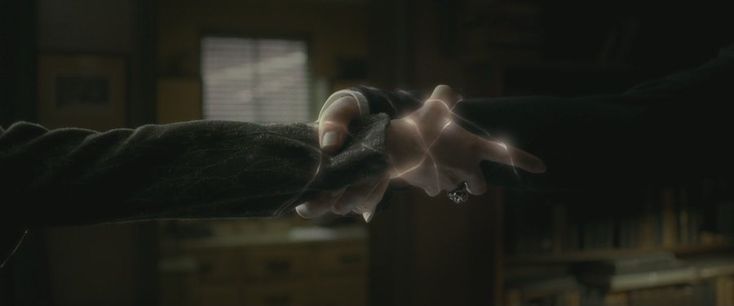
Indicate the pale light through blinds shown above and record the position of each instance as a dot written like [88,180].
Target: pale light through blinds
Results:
[256,80]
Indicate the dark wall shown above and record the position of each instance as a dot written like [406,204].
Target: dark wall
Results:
[123,271]
[661,36]
[17,60]
[17,96]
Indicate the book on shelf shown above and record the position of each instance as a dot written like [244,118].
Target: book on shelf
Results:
[667,218]
[681,284]
[666,245]
[717,292]
[646,262]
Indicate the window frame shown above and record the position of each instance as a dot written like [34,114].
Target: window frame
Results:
[312,106]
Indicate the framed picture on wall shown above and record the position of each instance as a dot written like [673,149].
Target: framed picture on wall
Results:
[80,90]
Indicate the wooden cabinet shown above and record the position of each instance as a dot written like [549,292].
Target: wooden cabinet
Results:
[315,273]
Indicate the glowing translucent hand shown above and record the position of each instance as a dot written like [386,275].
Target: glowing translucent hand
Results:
[430,151]
[427,149]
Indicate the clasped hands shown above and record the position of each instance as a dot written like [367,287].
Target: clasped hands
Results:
[426,149]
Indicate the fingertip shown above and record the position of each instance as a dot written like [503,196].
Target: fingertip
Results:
[500,152]
[533,164]
[444,94]
[441,89]
[431,192]
[303,210]
[331,140]
[367,216]
[476,184]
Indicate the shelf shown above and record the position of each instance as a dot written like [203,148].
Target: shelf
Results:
[592,255]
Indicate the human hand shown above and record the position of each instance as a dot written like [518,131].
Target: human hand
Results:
[362,198]
[427,150]
[430,151]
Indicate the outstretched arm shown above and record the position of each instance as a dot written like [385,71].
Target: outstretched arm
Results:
[193,169]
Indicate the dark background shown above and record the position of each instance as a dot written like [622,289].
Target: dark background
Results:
[422,251]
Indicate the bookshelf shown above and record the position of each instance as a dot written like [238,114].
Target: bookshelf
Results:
[595,255]
[664,244]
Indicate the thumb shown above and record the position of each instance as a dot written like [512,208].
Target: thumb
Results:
[334,123]
[331,136]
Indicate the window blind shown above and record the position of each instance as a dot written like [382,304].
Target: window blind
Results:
[256,80]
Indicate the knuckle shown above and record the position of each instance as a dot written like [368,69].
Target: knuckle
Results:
[444,89]
[343,107]
[439,107]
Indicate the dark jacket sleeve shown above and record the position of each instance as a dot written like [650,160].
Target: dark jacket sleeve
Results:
[671,129]
[195,169]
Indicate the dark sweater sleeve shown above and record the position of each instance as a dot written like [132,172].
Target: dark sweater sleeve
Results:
[197,169]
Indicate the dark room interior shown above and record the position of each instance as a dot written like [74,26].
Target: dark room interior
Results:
[620,238]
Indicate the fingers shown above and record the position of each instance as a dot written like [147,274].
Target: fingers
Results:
[334,123]
[444,94]
[450,180]
[319,206]
[361,198]
[355,195]
[432,190]
[476,184]
[499,152]
[367,208]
